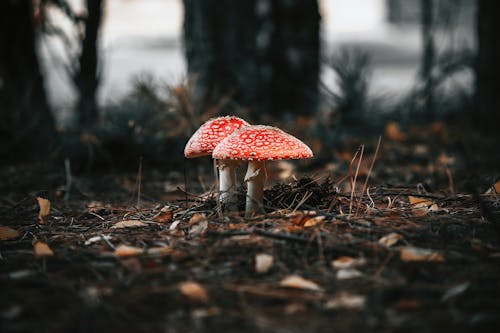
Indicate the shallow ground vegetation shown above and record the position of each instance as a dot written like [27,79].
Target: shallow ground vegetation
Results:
[403,237]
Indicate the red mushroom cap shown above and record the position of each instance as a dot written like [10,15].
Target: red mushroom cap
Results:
[261,143]
[208,136]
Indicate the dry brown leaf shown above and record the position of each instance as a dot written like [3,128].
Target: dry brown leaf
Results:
[160,251]
[8,233]
[348,262]
[43,214]
[422,206]
[390,239]
[394,133]
[494,189]
[348,273]
[198,217]
[165,215]
[298,282]
[311,222]
[129,224]
[127,251]
[198,228]
[263,262]
[42,249]
[410,253]
[194,291]
[346,301]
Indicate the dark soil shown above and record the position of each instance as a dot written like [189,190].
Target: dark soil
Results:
[311,221]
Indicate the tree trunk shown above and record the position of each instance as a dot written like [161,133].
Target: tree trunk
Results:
[293,59]
[428,51]
[27,126]
[487,112]
[87,77]
[219,42]
[263,55]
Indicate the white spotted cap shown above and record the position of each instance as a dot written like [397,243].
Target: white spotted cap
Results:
[208,136]
[261,143]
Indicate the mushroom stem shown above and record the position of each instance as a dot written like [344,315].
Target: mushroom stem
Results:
[255,178]
[227,184]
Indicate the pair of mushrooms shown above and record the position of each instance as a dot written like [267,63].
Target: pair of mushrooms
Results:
[231,140]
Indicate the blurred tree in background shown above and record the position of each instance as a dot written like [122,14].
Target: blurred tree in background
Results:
[488,66]
[26,124]
[259,54]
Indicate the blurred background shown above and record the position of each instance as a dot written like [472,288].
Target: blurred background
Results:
[132,78]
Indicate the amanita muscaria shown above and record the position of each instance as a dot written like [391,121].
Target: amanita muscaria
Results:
[204,141]
[258,144]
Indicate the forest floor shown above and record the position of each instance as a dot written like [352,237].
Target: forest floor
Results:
[151,252]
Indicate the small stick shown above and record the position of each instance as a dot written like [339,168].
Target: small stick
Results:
[369,172]
[355,177]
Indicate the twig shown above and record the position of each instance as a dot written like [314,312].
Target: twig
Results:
[369,173]
[353,186]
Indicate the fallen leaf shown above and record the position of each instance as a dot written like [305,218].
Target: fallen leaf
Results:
[390,239]
[194,291]
[263,263]
[422,206]
[294,308]
[411,253]
[8,233]
[160,251]
[43,214]
[455,291]
[164,216]
[198,217]
[127,251]
[174,225]
[96,239]
[129,224]
[346,301]
[348,273]
[348,262]
[198,229]
[494,189]
[394,133]
[42,249]
[311,222]
[298,282]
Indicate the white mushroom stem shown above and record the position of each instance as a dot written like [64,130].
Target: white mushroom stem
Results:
[255,178]
[227,183]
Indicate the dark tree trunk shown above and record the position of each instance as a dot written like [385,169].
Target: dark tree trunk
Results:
[293,57]
[488,66]
[428,54]
[87,77]
[219,41]
[26,123]
[263,55]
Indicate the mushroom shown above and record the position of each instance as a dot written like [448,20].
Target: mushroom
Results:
[256,144]
[203,142]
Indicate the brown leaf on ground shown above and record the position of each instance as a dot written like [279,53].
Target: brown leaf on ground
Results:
[410,253]
[422,206]
[263,263]
[165,215]
[298,282]
[129,224]
[194,291]
[198,217]
[42,249]
[394,133]
[198,229]
[494,189]
[348,273]
[7,233]
[348,262]
[127,251]
[43,214]
[346,301]
[390,239]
